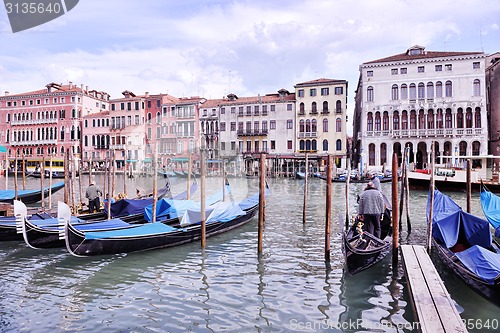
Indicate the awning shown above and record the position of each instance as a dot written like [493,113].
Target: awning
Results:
[180,159]
[214,161]
[147,160]
[3,149]
[131,161]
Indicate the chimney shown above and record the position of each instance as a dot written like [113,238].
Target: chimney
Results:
[81,86]
[6,93]
[146,93]
[70,85]
[86,89]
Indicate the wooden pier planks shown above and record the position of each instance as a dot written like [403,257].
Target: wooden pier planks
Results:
[431,302]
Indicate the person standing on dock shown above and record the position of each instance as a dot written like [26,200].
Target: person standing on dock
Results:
[93,193]
[370,209]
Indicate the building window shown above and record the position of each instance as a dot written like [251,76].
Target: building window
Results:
[273,144]
[377,121]
[448,89]
[289,144]
[395,91]
[430,90]
[233,110]
[476,87]
[222,110]
[272,124]
[325,91]
[314,108]
[420,69]
[273,107]
[448,67]
[300,92]
[325,125]
[403,70]
[338,125]
[421,91]
[264,110]
[249,110]
[404,91]
[477,116]
[289,107]
[369,94]
[256,110]
[339,90]
[289,124]
[369,73]
[448,119]
[338,144]
[312,92]
[394,71]
[413,91]
[222,126]
[439,89]
[476,65]
[325,145]
[233,126]
[438,68]
[395,121]
[369,122]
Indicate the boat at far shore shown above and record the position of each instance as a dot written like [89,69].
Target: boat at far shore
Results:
[450,179]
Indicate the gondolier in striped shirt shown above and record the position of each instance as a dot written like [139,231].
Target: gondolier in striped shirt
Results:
[93,193]
[370,209]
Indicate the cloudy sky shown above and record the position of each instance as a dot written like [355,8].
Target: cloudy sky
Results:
[210,48]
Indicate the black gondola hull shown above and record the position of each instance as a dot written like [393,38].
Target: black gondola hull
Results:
[360,255]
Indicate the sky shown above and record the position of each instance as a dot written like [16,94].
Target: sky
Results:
[211,48]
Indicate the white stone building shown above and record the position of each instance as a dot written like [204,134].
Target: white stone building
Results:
[416,98]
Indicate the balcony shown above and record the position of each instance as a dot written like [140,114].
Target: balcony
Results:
[261,132]
[33,142]
[313,112]
[33,122]
[308,135]
[426,133]
[253,152]
[116,147]
[325,112]
[117,126]
[101,147]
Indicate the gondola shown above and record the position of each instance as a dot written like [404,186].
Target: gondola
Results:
[55,174]
[363,180]
[490,203]
[46,233]
[29,196]
[182,174]
[362,249]
[8,230]
[465,245]
[224,217]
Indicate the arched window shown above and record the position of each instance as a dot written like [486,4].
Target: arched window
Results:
[413,119]
[462,148]
[404,91]
[430,90]
[383,153]
[448,119]
[338,125]
[338,106]
[430,119]
[477,116]
[377,121]
[314,145]
[308,144]
[308,126]
[301,125]
[468,118]
[314,126]
[158,117]
[369,122]
[460,118]
[302,145]
[439,89]
[476,88]
[302,109]
[314,108]
[325,107]
[439,118]
[338,144]
[395,92]
[325,125]
[325,145]
[385,121]
[149,117]
[369,94]
[421,90]
[371,154]
[395,120]
[448,89]
[413,91]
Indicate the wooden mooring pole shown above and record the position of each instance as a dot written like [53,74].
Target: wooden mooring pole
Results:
[469,185]
[262,200]
[328,220]
[395,212]
[305,191]
[431,203]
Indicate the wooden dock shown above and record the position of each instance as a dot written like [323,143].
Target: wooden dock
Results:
[433,307]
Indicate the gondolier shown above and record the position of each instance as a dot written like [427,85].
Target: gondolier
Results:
[93,193]
[371,208]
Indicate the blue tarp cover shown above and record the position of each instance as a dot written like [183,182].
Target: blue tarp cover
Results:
[11,194]
[481,261]
[141,230]
[491,209]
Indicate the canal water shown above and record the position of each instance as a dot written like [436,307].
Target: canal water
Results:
[227,287]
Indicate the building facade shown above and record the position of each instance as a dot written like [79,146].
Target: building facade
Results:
[321,123]
[48,122]
[418,98]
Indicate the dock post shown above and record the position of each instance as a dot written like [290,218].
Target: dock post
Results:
[328,219]
[347,181]
[155,184]
[469,185]
[50,184]
[431,203]
[395,212]
[190,170]
[24,172]
[42,180]
[262,201]
[305,191]
[16,189]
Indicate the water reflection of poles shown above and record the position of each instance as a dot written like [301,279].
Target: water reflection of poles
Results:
[347,181]
[395,213]
[469,185]
[73,176]
[202,199]
[262,200]
[24,172]
[66,176]
[80,189]
[261,269]
[155,184]
[328,207]
[50,183]
[15,177]
[305,190]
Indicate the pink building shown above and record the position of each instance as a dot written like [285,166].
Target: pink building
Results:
[46,122]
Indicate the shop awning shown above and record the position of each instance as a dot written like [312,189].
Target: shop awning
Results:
[147,160]
[3,149]
[131,161]
[180,159]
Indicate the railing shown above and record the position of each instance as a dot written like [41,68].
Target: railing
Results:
[34,121]
[115,147]
[33,142]
[308,134]
[433,132]
[252,132]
